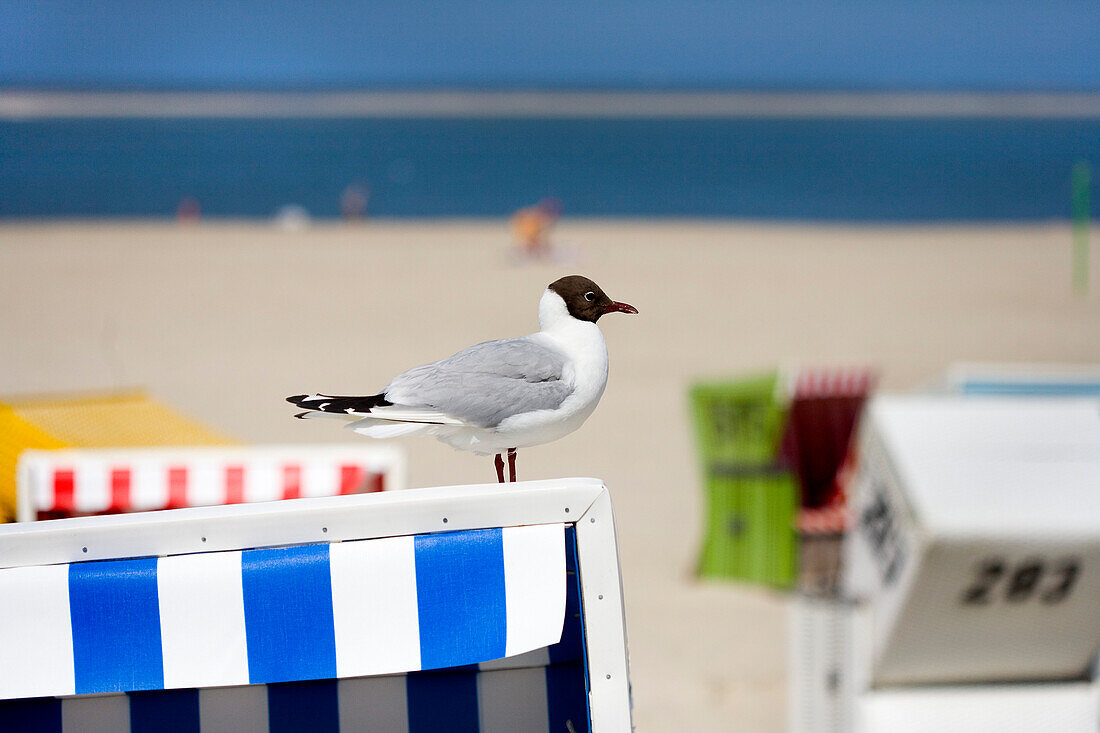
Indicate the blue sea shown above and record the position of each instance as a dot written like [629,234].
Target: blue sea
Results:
[834,169]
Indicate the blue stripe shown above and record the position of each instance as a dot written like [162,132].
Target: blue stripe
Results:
[312,706]
[442,701]
[571,646]
[288,614]
[36,715]
[567,697]
[165,711]
[1037,389]
[460,597]
[567,676]
[116,625]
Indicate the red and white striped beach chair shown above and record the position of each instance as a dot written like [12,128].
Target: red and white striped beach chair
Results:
[79,481]
[818,444]
[824,413]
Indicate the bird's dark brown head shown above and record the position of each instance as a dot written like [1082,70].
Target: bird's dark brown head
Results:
[585,300]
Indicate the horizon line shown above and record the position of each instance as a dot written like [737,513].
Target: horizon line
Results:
[29,104]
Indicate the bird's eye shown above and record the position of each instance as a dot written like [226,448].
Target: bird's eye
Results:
[589,296]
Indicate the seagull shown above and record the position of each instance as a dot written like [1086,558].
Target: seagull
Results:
[497,396]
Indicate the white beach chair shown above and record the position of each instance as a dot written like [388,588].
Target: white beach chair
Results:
[1022,380]
[486,609]
[969,603]
[70,482]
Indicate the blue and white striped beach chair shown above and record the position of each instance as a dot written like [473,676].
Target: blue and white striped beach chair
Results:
[488,609]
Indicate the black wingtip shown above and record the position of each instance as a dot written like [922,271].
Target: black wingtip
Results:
[302,415]
[334,403]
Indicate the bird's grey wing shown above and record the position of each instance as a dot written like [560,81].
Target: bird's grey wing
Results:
[486,383]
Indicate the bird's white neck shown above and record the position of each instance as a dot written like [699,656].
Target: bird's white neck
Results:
[581,340]
[553,314]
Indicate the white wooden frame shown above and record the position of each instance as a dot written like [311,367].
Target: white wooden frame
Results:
[584,502]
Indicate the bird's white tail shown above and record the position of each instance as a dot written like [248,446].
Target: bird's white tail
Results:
[374,428]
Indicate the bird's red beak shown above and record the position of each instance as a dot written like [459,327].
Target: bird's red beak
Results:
[620,308]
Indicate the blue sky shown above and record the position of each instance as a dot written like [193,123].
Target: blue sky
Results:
[757,44]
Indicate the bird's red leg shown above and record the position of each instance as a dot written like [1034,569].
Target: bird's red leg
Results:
[512,463]
[500,468]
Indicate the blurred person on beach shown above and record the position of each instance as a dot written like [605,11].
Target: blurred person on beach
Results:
[353,201]
[188,211]
[531,228]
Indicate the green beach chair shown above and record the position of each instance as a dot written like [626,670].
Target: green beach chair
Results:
[751,499]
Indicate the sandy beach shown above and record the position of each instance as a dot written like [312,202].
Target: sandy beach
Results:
[223,320]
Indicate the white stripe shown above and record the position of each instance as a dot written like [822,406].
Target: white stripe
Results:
[374,606]
[36,638]
[233,709]
[42,474]
[513,700]
[148,483]
[263,480]
[202,620]
[373,704]
[95,714]
[91,486]
[320,477]
[534,572]
[205,480]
